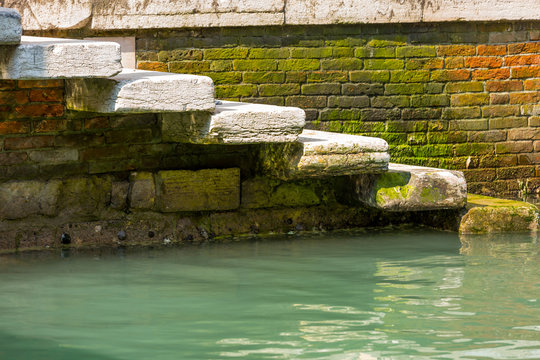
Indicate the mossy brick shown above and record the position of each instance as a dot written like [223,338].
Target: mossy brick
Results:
[398,152]
[220,78]
[345,42]
[363,89]
[420,113]
[491,50]
[269,53]
[393,40]
[500,111]
[479,175]
[271,77]
[220,54]
[142,191]
[189,67]
[311,53]
[299,64]
[341,114]
[483,62]
[352,127]
[390,101]
[433,88]
[469,99]
[348,101]
[534,121]
[328,76]
[491,74]
[431,37]
[454,62]
[321,89]
[301,41]
[381,76]
[525,72]
[179,55]
[406,126]
[518,172]
[531,109]
[386,64]
[147,56]
[456,50]
[306,102]
[447,137]
[403,89]
[429,100]
[468,125]
[416,51]
[507,122]
[343,52]
[464,87]
[416,139]
[475,149]
[296,77]
[279,89]
[454,113]
[522,134]
[532,97]
[450,75]
[380,114]
[152,66]
[409,76]
[255,65]
[391,138]
[221,65]
[234,91]
[202,190]
[270,100]
[490,136]
[524,48]
[342,64]
[508,36]
[514,147]
[375,52]
[433,150]
[531,84]
[424,64]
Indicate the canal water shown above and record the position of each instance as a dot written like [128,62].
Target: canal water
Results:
[396,294]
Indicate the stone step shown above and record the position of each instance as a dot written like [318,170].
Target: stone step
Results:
[136,91]
[412,188]
[49,58]
[235,123]
[321,153]
[10,26]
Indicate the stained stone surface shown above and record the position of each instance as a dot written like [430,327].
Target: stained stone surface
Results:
[412,188]
[20,199]
[136,91]
[48,58]
[320,154]
[235,123]
[142,192]
[10,26]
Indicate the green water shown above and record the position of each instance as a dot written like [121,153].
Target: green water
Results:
[386,295]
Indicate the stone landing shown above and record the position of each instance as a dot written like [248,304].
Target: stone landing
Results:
[10,26]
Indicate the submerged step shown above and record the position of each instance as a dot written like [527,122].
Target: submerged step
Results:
[321,153]
[10,26]
[136,91]
[51,58]
[412,188]
[235,123]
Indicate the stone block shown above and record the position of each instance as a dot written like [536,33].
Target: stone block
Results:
[136,91]
[20,199]
[264,192]
[142,191]
[202,190]
[412,188]
[48,58]
[234,123]
[10,26]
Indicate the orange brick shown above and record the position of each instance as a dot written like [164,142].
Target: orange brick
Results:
[152,66]
[455,62]
[450,75]
[491,74]
[47,95]
[35,110]
[26,84]
[7,84]
[14,127]
[484,50]
[525,98]
[13,97]
[526,72]
[532,84]
[522,60]
[524,48]
[503,86]
[453,50]
[483,62]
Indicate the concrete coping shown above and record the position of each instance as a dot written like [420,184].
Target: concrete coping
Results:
[51,58]
[323,142]
[10,26]
[136,91]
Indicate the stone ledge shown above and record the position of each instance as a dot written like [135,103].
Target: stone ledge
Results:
[10,26]
[412,188]
[49,58]
[235,123]
[136,91]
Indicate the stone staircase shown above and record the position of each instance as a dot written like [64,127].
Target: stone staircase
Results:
[188,113]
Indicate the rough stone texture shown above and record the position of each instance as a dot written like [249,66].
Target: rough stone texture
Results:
[10,26]
[202,190]
[320,154]
[142,194]
[20,199]
[135,91]
[491,215]
[412,188]
[235,123]
[48,58]
[263,192]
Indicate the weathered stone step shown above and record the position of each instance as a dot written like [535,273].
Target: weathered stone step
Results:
[49,58]
[235,123]
[320,153]
[136,91]
[412,188]
[10,26]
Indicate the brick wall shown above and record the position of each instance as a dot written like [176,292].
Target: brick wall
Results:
[455,95]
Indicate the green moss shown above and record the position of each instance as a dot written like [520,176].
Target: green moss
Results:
[392,186]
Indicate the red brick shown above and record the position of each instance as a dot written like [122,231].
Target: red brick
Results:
[455,62]
[32,142]
[7,84]
[525,98]
[522,60]
[152,66]
[483,62]
[13,97]
[12,158]
[47,95]
[491,74]
[453,50]
[26,84]
[504,86]
[524,48]
[484,50]
[532,84]
[40,110]
[14,127]
[96,123]
[526,72]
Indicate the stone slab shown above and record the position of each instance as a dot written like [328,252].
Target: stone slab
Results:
[201,190]
[412,188]
[49,58]
[490,215]
[136,91]
[320,154]
[235,123]
[10,26]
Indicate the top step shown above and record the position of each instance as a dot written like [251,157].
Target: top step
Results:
[49,58]
[10,26]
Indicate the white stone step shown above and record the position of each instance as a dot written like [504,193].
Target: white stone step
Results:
[10,26]
[235,123]
[321,153]
[412,188]
[50,58]
[136,91]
